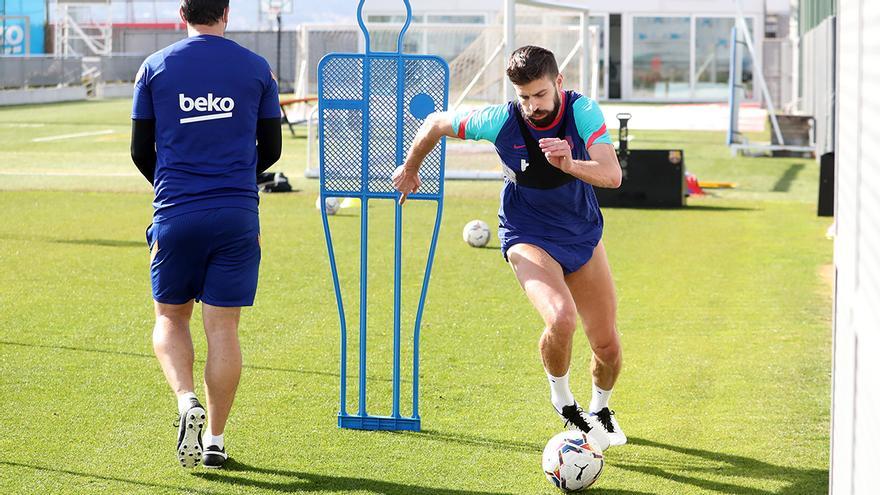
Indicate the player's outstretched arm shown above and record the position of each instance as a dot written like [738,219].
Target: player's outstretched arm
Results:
[406,177]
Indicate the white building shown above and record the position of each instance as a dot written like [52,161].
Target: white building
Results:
[651,50]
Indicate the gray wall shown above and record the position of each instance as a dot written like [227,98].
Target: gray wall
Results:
[36,71]
[132,46]
[143,42]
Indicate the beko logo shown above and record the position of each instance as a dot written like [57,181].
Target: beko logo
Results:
[222,106]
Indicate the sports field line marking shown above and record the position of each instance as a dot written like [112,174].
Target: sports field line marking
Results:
[71,136]
[73,174]
[201,118]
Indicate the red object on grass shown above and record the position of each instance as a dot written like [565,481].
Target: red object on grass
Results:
[693,185]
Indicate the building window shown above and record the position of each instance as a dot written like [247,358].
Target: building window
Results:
[712,63]
[457,19]
[661,57]
[393,19]
[431,19]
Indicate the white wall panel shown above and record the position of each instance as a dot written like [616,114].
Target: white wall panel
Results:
[856,404]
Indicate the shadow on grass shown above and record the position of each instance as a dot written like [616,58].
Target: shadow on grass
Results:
[476,441]
[102,242]
[86,242]
[92,476]
[784,182]
[308,482]
[800,481]
[150,356]
[709,208]
[302,482]
[294,482]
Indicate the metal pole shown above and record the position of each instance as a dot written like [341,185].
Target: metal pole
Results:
[757,71]
[594,63]
[3,37]
[586,52]
[278,59]
[509,42]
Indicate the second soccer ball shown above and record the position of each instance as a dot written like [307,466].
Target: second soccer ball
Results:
[476,233]
[332,204]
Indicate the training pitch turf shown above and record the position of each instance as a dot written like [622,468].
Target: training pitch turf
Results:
[724,313]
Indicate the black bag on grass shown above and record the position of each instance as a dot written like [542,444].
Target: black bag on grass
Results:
[270,182]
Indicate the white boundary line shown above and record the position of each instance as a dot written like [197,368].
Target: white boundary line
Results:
[72,174]
[201,118]
[71,136]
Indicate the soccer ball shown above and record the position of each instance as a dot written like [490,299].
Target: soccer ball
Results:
[572,460]
[476,233]
[332,203]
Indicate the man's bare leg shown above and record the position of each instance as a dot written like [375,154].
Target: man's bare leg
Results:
[173,346]
[222,373]
[542,279]
[592,289]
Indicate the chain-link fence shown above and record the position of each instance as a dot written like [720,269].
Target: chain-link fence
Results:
[36,71]
[265,43]
[120,67]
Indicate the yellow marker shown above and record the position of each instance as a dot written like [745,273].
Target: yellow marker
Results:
[350,203]
[717,185]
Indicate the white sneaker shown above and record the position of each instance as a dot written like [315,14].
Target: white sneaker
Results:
[606,421]
[575,418]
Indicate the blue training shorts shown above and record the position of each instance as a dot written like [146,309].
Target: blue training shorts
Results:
[208,255]
[570,256]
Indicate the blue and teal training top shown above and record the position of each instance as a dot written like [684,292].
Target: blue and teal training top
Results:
[567,214]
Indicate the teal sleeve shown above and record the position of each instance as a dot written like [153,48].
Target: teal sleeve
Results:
[484,123]
[590,122]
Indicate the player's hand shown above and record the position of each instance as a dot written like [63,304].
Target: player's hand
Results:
[405,181]
[558,153]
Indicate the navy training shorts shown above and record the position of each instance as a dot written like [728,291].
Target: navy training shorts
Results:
[208,255]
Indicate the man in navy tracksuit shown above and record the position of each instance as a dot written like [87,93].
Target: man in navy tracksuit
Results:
[206,121]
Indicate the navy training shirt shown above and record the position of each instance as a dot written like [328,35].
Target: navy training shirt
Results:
[206,94]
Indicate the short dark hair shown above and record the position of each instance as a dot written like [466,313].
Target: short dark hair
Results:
[530,63]
[204,12]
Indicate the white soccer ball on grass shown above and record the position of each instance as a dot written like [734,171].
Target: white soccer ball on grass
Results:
[476,233]
[572,460]
[332,204]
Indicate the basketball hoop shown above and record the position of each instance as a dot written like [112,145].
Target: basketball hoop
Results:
[275,8]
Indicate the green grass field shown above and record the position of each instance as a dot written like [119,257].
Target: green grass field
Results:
[724,312]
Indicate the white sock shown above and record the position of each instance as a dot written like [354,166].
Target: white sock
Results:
[600,399]
[183,401]
[214,440]
[560,394]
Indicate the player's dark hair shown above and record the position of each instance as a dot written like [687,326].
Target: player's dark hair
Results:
[204,12]
[530,63]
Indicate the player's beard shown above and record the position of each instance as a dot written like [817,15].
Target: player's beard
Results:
[546,120]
